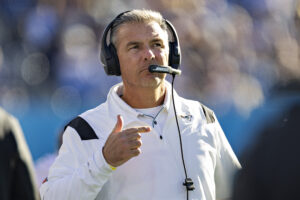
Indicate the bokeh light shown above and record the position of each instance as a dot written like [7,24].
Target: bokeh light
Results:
[35,69]
[16,100]
[79,40]
[66,102]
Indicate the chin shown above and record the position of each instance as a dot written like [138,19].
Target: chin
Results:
[153,82]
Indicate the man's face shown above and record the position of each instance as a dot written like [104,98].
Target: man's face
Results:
[138,46]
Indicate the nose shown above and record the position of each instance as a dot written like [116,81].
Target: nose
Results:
[148,54]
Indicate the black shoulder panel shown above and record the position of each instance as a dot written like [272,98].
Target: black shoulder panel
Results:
[209,114]
[84,130]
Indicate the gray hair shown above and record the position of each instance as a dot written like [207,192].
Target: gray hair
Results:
[136,16]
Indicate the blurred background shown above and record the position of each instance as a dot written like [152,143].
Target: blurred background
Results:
[239,57]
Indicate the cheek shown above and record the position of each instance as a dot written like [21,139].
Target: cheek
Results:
[165,56]
[162,54]
[125,62]
[125,70]
[125,74]
[128,70]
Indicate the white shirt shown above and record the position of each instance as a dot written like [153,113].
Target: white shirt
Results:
[81,172]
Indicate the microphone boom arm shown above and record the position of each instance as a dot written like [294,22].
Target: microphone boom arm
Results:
[164,69]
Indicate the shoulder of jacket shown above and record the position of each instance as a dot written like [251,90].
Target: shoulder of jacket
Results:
[83,124]
[209,114]
[83,128]
[192,104]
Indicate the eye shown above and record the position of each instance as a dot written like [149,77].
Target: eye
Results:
[157,44]
[134,47]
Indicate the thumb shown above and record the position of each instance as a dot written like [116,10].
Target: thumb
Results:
[119,125]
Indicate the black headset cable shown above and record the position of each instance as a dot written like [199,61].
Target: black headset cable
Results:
[188,181]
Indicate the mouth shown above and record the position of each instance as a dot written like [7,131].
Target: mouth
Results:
[147,68]
[144,69]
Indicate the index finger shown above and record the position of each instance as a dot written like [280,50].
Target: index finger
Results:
[141,129]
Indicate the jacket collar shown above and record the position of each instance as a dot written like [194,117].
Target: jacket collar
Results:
[117,106]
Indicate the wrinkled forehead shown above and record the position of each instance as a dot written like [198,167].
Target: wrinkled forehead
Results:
[140,29]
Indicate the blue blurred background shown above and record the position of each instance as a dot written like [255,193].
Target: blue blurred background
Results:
[239,57]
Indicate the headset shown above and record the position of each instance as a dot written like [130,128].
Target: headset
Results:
[109,56]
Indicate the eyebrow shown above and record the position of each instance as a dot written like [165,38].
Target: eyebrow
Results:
[132,43]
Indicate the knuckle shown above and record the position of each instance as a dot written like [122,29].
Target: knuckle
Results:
[137,152]
[139,143]
[138,135]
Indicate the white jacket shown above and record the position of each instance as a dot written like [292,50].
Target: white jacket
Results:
[81,172]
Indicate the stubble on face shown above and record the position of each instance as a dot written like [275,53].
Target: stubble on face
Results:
[152,80]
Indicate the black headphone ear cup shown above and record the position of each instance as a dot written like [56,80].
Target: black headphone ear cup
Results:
[174,55]
[111,61]
[170,54]
[115,64]
[108,53]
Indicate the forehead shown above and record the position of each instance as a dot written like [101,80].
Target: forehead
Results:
[140,31]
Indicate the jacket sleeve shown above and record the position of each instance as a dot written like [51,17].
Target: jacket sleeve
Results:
[227,165]
[79,171]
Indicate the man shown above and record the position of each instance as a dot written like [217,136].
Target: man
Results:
[16,168]
[128,147]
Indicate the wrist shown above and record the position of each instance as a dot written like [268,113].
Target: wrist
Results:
[107,161]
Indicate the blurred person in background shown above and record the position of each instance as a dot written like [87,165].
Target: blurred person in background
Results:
[129,147]
[17,179]
[271,163]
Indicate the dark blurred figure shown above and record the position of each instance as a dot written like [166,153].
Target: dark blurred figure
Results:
[16,167]
[271,167]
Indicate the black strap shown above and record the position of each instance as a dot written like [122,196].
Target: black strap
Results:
[84,130]
[209,114]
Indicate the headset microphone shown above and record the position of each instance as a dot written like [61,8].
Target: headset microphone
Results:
[163,69]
